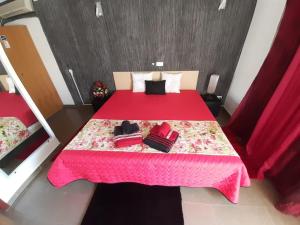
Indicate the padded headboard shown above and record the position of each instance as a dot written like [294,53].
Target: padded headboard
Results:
[123,80]
[4,82]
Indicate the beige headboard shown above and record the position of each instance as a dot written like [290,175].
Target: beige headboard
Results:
[123,80]
[4,82]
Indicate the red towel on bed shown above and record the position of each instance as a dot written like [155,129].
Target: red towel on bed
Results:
[160,143]
[126,140]
[161,130]
[173,136]
[154,130]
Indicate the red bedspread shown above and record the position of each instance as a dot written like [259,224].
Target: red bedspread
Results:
[187,105]
[225,173]
[13,105]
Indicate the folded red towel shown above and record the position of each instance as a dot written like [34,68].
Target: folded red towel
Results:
[154,130]
[173,135]
[161,137]
[125,136]
[128,142]
[160,143]
[163,130]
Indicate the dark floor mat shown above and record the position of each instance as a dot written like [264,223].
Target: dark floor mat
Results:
[134,204]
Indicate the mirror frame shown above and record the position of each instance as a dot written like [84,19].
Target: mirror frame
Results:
[13,184]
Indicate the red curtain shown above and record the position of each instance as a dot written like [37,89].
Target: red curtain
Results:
[278,126]
[265,129]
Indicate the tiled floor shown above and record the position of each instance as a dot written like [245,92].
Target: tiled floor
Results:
[42,204]
[208,206]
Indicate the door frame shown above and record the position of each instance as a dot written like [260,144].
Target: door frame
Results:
[14,183]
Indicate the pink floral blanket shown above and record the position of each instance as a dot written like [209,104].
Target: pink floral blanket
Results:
[12,133]
[195,137]
[201,157]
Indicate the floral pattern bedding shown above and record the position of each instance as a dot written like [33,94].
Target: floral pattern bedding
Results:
[195,137]
[12,133]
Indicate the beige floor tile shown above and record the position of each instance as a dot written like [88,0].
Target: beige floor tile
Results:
[198,213]
[259,193]
[203,195]
[265,191]
[42,204]
[279,218]
[245,215]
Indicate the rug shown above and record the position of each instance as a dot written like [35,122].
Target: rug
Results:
[134,204]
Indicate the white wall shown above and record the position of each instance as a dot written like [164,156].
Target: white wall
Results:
[260,37]
[41,43]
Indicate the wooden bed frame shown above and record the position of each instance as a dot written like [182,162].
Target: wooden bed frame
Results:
[123,80]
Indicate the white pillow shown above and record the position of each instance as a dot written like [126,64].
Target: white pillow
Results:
[138,80]
[11,85]
[172,82]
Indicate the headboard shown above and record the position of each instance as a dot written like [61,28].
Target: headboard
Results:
[4,82]
[189,79]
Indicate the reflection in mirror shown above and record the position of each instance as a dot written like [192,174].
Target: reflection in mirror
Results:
[20,131]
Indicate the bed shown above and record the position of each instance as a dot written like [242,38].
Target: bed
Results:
[202,156]
[17,122]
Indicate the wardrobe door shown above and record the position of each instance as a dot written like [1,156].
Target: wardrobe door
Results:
[28,65]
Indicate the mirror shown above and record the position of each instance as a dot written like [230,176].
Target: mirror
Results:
[20,131]
[26,139]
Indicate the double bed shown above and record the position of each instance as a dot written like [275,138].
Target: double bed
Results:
[202,156]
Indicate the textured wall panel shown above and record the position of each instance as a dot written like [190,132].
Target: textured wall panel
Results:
[185,34]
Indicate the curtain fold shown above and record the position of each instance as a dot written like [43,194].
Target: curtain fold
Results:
[285,45]
[265,128]
[279,125]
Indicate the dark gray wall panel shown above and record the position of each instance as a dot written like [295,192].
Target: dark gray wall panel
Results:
[185,34]
[78,40]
